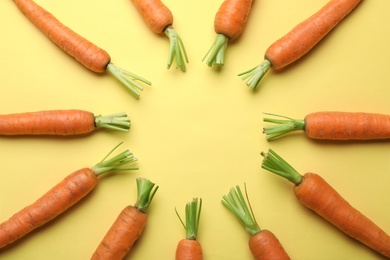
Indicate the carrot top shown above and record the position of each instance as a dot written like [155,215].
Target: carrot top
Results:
[176,49]
[217,51]
[145,194]
[192,212]
[256,74]
[282,127]
[118,121]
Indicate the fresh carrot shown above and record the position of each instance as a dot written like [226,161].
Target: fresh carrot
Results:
[301,39]
[316,194]
[190,248]
[159,19]
[333,126]
[128,226]
[61,197]
[263,244]
[229,23]
[81,49]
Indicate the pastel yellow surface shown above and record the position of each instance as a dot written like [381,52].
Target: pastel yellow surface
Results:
[198,133]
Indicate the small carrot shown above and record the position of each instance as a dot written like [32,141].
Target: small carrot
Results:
[61,197]
[229,23]
[190,248]
[128,226]
[81,49]
[263,244]
[316,194]
[333,126]
[301,39]
[159,19]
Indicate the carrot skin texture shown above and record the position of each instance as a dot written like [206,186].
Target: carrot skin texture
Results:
[316,194]
[123,233]
[84,51]
[54,202]
[189,249]
[302,38]
[156,15]
[266,246]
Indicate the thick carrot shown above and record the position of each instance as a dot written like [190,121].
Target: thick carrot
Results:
[78,47]
[316,194]
[301,39]
[333,126]
[159,19]
[61,197]
[190,248]
[128,226]
[229,23]
[263,244]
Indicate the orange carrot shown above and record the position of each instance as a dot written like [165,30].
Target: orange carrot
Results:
[316,194]
[61,197]
[159,19]
[84,51]
[229,23]
[60,122]
[128,226]
[333,126]
[263,244]
[190,248]
[301,39]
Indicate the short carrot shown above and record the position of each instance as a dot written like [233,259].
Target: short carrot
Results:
[333,125]
[190,248]
[316,194]
[229,22]
[60,122]
[78,47]
[128,226]
[263,244]
[301,39]
[159,19]
[61,197]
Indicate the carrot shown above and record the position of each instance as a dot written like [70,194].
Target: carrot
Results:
[159,19]
[229,23]
[81,49]
[61,197]
[263,244]
[333,126]
[190,248]
[128,226]
[301,39]
[316,194]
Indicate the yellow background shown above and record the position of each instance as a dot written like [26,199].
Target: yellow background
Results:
[198,133]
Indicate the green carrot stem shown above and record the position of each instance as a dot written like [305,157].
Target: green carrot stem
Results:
[255,74]
[118,121]
[282,126]
[217,51]
[176,49]
[145,193]
[192,213]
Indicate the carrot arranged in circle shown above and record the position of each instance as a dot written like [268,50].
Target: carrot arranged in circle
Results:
[301,39]
[332,125]
[263,244]
[128,226]
[159,19]
[316,194]
[229,23]
[61,197]
[81,49]
[190,248]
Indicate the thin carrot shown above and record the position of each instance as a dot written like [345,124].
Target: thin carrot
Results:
[128,226]
[263,244]
[333,125]
[61,197]
[316,194]
[229,22]
[81,49]
[301,39]
[190,248]
[159,19]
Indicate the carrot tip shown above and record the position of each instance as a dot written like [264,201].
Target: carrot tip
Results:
[217,51]
[256,74]
[176,49]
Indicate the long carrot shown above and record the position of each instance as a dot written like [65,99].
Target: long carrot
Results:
[128,226]
[263,244]
[301,39]
[159,19]
[316,194]
[229,23]
[333,125]
[84,51]
[190,248]
[60,122]
[61,197]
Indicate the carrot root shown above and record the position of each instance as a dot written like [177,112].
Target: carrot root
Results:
[176,49]
[266,246]
[188,249]
[256,74]
[216,54]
